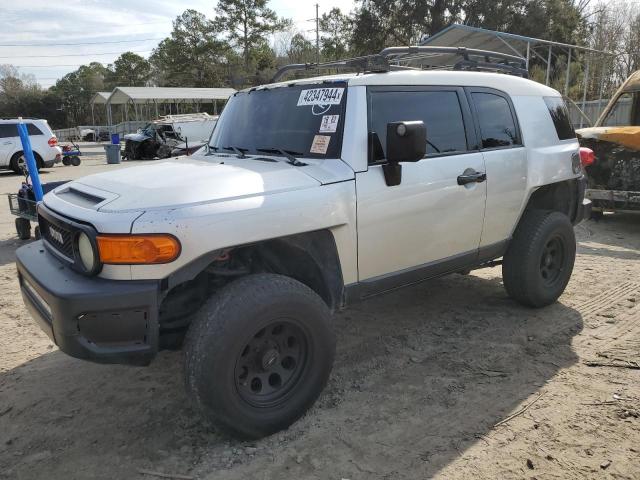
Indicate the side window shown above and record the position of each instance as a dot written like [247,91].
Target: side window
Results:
[560,116]
[620,113]
[33,130]
[439,110]
[497,126]
[8,130]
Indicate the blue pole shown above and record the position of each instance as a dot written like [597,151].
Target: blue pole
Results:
[31,161]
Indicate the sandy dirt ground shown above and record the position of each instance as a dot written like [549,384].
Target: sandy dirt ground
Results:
[448,379]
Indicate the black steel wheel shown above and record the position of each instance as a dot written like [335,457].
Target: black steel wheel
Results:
[552,260]
[540,258]
[258,354]
[269,366]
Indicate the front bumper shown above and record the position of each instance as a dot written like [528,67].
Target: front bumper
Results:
[105,321]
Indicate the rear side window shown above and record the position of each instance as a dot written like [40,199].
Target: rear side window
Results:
[33,130]
[497,125]
[439,110]
[11,130]
[560,116]
[8,130]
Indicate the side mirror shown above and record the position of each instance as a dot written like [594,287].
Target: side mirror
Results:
[406,142]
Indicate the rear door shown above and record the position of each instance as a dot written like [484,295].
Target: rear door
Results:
[429,220]
[505,159]
[8,133]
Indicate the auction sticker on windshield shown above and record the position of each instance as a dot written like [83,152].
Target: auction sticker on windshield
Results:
[320,96]
[329,123]
[320,144]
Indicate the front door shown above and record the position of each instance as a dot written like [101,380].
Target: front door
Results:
[8,134]
[430,219]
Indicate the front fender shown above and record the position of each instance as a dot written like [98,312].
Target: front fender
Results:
[202,229]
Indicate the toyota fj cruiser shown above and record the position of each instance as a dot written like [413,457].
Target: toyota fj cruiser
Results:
[311,195]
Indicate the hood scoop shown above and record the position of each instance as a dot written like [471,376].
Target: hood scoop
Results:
[77,197]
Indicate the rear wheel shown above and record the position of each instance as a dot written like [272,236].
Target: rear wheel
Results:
[23,228]
[540,258]
[75,160]
[18,162]
[258,354]
[66,160]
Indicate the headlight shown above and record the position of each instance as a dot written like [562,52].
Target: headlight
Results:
[86,251]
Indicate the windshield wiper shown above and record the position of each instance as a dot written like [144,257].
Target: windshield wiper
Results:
[238,150]
[288,154]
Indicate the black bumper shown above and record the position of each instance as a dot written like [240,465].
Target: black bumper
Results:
[583,210]
[105,321]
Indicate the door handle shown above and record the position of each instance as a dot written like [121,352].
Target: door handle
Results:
[476,177]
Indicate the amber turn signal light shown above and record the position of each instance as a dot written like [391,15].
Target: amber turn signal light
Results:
[138,249]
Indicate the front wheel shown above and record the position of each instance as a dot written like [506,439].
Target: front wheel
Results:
[540,258]
[258,354]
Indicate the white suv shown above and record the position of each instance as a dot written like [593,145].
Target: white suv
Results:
[43,141]
[312,195]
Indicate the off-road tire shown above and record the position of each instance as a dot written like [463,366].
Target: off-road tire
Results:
[229,326]
[23,228]
[525,263]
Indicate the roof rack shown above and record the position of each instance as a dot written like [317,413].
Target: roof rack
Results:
[441,58]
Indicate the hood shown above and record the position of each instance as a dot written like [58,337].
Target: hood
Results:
[136,137]
[187,181]
[627,137]
[192,145]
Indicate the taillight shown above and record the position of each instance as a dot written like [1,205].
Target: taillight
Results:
[53,141]
[587,157]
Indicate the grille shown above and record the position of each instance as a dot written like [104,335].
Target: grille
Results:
[58,237]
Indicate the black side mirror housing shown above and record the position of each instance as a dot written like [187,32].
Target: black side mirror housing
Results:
[406,142]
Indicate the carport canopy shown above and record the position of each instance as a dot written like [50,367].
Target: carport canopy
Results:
[100,98]
[142,95]
[458,35]
[139,97]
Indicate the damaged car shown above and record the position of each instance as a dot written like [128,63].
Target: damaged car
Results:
[614,172]
[169,136]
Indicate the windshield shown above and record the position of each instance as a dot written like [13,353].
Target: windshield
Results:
[302,120]
[148,130]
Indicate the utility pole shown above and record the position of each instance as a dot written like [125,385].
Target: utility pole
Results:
[317,38]
[317,20]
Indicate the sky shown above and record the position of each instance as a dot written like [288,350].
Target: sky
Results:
[108,28]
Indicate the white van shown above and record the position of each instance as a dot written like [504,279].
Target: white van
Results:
[43,142]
